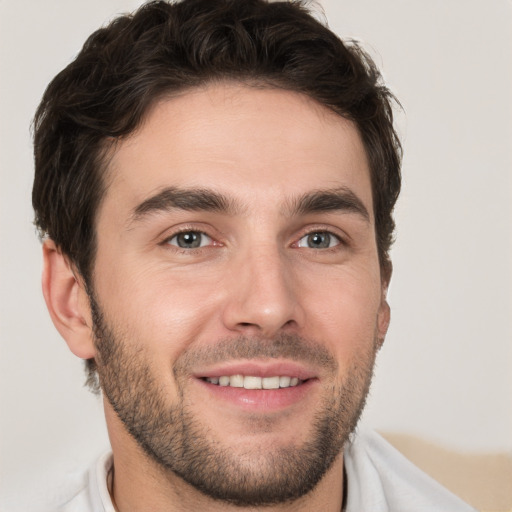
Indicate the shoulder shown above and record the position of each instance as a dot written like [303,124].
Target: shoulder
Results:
[90,493]
[381,479]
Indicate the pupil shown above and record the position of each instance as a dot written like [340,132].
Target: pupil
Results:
[189,240]
[317,240]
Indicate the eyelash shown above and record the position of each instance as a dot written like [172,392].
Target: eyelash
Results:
[184,231]
[330,234]
[340,241]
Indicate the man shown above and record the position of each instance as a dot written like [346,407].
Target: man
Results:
[215,183]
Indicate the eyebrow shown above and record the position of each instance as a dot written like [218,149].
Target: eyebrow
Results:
[198,199]
[189,199]
[330,200]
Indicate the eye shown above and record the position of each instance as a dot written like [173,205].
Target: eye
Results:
[319,240]
[190,240]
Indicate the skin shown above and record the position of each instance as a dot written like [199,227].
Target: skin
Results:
[254,276]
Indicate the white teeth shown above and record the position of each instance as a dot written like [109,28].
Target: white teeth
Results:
[224,381]
[284,382]
[252,382]
[270,383]
[236,381]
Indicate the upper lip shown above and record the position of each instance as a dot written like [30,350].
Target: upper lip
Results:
[258,368]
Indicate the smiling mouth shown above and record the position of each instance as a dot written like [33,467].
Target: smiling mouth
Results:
[253,382]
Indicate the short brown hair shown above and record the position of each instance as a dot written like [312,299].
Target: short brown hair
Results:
[164,48]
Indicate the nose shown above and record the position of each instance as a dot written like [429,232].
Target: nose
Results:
[263,296]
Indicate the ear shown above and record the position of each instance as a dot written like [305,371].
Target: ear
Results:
[384,314]
[67,301]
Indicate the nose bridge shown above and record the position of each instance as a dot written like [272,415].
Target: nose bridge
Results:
[264,296]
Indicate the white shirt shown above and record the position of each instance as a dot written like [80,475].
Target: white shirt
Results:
[379,479]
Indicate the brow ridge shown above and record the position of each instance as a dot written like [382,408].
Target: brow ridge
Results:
[340,199]
[189,199]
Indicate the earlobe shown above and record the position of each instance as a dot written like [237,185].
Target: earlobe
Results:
[67,301]
[384,315]
[383,320]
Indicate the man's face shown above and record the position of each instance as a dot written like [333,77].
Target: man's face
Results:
[236,247]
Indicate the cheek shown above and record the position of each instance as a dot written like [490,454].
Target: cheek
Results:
[161,307]
[344,313]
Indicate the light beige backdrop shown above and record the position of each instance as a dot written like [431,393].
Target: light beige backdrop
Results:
[445,370]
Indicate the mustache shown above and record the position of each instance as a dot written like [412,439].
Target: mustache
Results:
[285,346]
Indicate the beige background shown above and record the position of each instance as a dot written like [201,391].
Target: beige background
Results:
[445,371]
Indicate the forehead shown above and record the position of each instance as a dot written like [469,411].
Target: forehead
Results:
[243,141]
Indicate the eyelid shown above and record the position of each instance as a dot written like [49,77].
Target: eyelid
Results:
[341,237]
[332,237]
[203,234]
[169,234]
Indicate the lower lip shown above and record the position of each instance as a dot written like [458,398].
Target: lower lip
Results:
[260,400]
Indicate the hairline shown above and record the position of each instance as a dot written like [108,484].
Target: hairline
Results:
[107,147]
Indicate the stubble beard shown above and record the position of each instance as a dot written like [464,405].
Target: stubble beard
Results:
[176,440]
